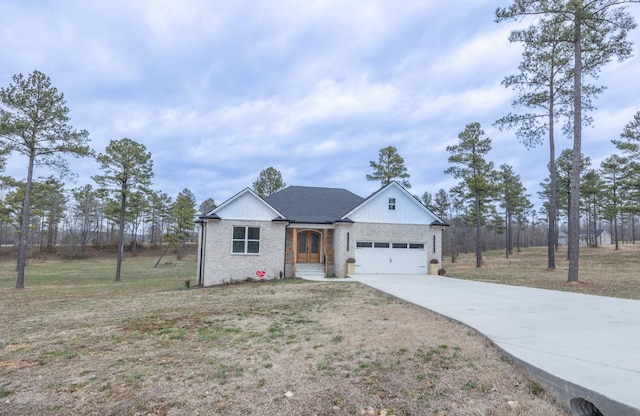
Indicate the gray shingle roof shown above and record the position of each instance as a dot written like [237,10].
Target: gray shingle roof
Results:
[313,205]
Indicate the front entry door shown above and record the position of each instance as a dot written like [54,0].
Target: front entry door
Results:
[308,247]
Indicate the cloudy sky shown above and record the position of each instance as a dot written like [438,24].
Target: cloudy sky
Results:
[219,90]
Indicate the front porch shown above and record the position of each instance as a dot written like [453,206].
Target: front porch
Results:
[309,245]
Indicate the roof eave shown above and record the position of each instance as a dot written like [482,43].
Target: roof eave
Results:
[209,217]
[439,224]
[310,222]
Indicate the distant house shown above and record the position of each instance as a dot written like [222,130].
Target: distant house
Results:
[587,237]
[595,237]
[302,229]
[563,238]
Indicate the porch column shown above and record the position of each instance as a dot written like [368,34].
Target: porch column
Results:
[324,251]
[294,249]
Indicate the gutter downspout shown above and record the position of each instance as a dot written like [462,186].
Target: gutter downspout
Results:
[284,261]
[201,254]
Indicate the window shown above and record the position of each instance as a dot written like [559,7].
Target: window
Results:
[246,240]
[399,245]
[381,245]
[416,246]
[362,244]
[392,204]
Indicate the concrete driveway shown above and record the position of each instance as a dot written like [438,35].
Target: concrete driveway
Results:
[585,349]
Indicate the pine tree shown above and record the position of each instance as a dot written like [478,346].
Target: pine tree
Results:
[268,182]
[127,168]
[477,187]
[34,121]
[390,166]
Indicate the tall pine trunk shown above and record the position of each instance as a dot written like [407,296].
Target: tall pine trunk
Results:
[123,204]
[507,236]
[478,233]
[24,226]
[574,212]
[615,220]
[552,237]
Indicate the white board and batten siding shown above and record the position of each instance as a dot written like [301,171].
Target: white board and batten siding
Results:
[246,206]
[392,205]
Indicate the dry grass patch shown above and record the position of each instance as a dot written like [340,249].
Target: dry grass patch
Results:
[286,347]
[603,270]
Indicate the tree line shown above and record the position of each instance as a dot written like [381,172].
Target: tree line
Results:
[34,122]
[565,47]
[89,216]
[490,208]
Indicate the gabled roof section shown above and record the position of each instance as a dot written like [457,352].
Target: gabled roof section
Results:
[307,204]
[591,233]
[375,208]
[245,205]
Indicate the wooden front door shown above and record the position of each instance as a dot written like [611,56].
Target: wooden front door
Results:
[308,247]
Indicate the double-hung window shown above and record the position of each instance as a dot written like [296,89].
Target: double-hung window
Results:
[246,240]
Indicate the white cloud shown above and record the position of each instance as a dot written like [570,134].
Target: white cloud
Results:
[219,90]
[331,100]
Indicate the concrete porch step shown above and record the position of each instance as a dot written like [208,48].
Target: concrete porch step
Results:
[309,270]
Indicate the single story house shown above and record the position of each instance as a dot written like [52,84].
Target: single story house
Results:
[587,237]
[592,237]
[330,230]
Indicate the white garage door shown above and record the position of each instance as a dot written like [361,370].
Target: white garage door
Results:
[391,258]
